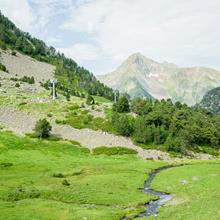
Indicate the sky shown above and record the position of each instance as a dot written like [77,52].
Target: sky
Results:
[101,34]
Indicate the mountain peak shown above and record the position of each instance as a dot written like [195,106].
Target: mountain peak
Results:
[137,54]
[139,76]
[138,58]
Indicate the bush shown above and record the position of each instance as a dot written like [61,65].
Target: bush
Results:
[122,105]
[65,182]
[21,193]
[141,106]
[27,79]
[74,107]
[67,95]
[49,115]
[17,85]
[42,128]
[113,151]
[90,100]
[14,79]
[6,164]
[122,124]
[13,53]
[58,175]
[3,67]
[142,133]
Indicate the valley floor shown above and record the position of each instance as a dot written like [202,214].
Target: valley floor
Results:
[61,180]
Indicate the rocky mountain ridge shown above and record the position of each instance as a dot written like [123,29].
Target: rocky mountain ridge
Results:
[140,76]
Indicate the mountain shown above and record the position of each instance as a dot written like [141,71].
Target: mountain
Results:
[141,76]
[211,101]
[73,79]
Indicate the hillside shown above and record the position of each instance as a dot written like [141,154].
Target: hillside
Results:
[21,65]
[211,101]
[140,76]
[73,79]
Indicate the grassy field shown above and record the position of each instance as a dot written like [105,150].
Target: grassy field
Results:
[196,191]
[60,180]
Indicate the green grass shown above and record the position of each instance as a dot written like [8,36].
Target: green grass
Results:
[100,99]
[196,191]
[82,119]
[113,151]
[56,179]
[32,174]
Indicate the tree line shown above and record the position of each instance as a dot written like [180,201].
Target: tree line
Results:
[176,126]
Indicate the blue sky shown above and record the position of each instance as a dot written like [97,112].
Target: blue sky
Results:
[101,34]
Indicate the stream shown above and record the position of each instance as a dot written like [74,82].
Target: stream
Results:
[153,206]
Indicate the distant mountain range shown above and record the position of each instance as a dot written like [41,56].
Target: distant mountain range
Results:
[142,77]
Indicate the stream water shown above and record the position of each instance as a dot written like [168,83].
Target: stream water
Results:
[153,206]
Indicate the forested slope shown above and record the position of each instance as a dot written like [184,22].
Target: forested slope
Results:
[73,79]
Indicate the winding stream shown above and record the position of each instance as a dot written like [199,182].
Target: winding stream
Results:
[153,206]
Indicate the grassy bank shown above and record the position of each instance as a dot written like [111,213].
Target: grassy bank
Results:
[54,180]
[196,191]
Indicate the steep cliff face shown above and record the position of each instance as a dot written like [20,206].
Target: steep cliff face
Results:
[141,76]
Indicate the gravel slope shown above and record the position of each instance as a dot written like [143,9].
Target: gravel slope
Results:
[22,65]
[21,123]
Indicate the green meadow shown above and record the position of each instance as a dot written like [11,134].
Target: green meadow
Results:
[61,180]
[52,180]
[196,191]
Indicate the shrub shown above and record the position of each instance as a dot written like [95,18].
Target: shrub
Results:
[142,132]
[22,103]
[58,175]
[13,53]
[3,67]
[3,45]
[74,107]
[67,95]
[77,172]
[14,79]
[17,85]
[90,100]
[6,164]
[27,79]
[42,128]
[49,115]
[141,106]
[62,122]
[122,124]
[122,105]
[113,151]
[21,193]
[65,182]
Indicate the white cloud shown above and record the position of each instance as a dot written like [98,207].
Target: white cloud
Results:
[185,32]
[173,29]
[53,40]
[20,13]
[81,52]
